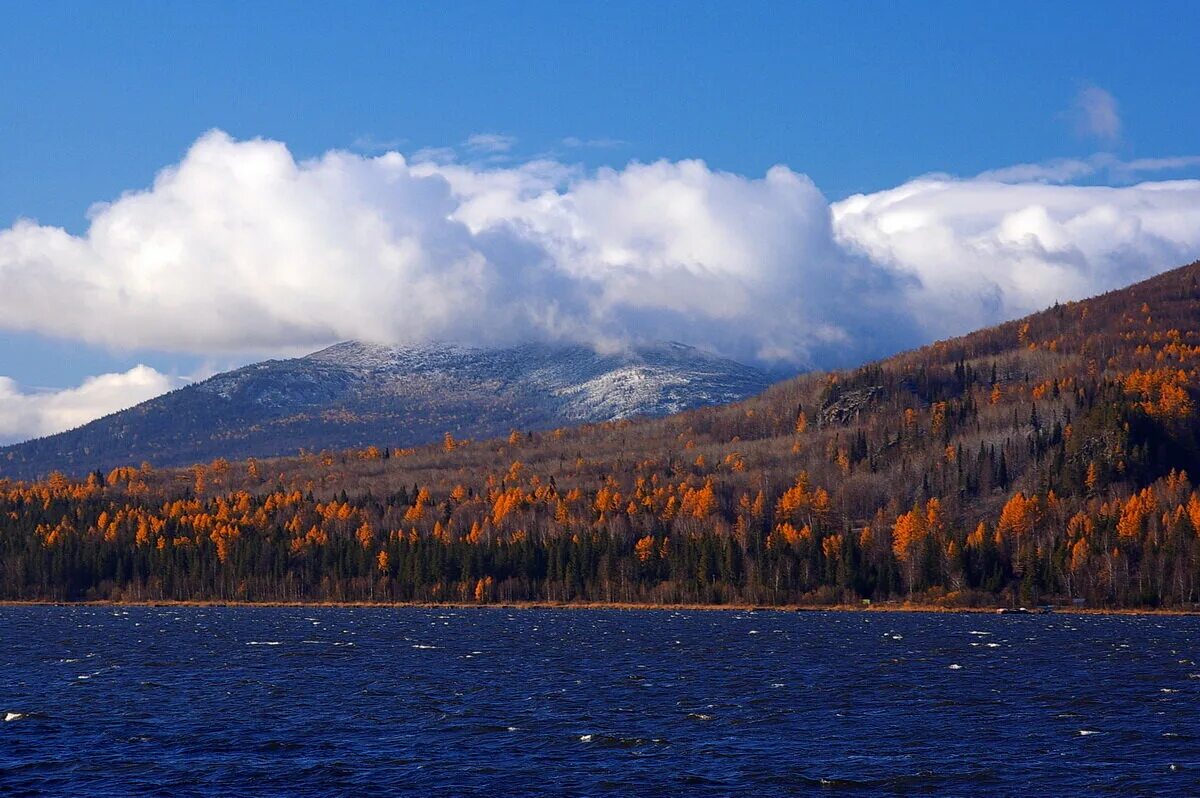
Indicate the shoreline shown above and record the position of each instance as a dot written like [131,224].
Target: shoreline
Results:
[597,605]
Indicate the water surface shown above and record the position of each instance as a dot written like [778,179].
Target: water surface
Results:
[352,701]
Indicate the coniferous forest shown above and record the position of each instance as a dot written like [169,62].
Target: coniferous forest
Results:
[1049,459]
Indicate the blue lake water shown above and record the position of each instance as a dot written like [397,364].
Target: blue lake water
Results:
[345,701]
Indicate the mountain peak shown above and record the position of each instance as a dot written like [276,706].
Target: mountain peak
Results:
[357,393]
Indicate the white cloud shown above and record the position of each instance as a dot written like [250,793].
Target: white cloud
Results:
[31,414]
[489,143]
[1094,112]
[1067,170]
[240,249]
[1161,164]
[370,144]
[1062,170]
[435,155]
[979,251]
[575,142]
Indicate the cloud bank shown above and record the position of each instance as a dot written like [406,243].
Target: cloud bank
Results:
[240,248]
[980,251]
[26,415]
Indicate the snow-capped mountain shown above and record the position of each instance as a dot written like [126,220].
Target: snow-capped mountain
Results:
[356,394]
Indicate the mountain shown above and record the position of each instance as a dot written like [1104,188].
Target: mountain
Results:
[355,394]
[1046,460]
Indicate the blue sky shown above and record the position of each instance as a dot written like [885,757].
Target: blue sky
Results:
[99,96]
[860,98]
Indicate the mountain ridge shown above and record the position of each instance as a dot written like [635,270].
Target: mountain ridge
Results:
[354,393]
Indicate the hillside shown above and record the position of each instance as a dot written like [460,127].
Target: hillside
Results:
[355,394]
[1043,459]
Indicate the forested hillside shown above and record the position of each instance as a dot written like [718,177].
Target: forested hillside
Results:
[1044,459]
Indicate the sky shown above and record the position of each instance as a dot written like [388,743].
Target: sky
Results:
[189,187]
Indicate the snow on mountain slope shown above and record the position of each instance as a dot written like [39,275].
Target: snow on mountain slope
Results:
[355,394]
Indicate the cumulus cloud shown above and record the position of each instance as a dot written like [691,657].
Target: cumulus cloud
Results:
[30,414]
[980,251]
[240,248]
[1094,112]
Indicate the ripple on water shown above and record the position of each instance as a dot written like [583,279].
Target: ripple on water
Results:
[592,703]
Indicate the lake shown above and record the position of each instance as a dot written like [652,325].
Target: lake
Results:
[291,701]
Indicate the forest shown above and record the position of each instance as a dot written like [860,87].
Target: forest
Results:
[1045,460]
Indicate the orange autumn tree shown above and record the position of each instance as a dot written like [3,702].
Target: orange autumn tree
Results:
[909,535]
[1017,519]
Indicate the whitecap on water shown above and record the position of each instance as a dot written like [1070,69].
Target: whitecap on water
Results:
[418,645]
[955,667]
[264,643]
[9,717]
[1086,732]
[585,738]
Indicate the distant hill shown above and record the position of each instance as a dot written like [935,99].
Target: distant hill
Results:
[354,394]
